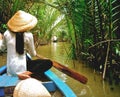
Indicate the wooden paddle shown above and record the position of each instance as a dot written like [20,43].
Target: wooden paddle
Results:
[69,72]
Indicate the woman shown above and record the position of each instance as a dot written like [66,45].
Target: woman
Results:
[18,41]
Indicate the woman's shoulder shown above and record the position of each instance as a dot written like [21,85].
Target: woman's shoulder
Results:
[7,33]
[28,34]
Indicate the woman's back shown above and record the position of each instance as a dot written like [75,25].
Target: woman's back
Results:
[16,63]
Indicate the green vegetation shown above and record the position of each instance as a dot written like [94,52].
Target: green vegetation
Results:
[91,26]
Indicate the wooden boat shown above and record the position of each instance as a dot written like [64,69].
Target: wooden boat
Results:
[55,84]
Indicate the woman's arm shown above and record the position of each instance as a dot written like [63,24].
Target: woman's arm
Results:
[2,43]
[30,48]
[1,36]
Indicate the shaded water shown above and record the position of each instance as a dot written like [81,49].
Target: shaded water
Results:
[95,87]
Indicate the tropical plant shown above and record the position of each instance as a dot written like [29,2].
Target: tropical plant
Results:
[95,27]
[102,22]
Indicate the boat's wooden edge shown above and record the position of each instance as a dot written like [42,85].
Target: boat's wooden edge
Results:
[64,88]
[2,69]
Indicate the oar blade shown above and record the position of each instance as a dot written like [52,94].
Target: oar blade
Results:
[70,72]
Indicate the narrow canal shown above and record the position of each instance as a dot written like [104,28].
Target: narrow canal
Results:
[95,87]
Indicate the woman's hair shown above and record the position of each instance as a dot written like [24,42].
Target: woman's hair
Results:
[20,43]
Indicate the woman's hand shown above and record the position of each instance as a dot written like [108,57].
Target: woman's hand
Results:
[24,75]
[1,36]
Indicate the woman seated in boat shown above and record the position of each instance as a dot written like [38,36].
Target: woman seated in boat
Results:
[18,41]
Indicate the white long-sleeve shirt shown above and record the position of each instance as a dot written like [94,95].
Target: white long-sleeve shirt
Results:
[17,63]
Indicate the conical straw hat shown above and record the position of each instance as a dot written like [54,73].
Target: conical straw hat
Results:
[30,88]
[22,22]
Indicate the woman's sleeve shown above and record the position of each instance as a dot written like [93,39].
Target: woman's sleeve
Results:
[30,45]
[2,45]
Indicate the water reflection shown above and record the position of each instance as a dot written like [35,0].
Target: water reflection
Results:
[83,92]
[54,46]
[95,87]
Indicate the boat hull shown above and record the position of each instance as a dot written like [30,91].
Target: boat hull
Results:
[8,83]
